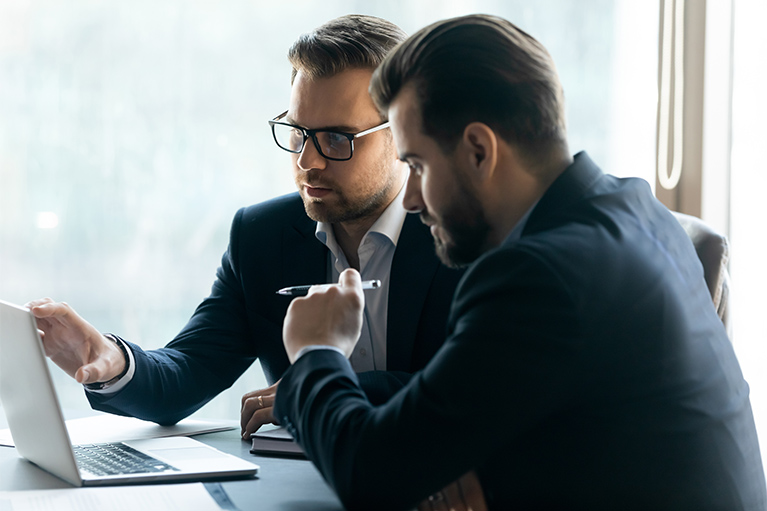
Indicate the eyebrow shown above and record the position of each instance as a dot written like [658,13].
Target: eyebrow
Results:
[344,129]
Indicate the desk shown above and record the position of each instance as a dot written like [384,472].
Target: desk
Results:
[281,484]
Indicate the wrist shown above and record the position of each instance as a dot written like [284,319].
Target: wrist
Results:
[103,385]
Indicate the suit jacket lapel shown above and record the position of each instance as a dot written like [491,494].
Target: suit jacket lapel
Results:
[305,259]
[412,272]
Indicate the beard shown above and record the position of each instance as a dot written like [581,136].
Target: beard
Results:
[466,231]
[347,207]
[344,208]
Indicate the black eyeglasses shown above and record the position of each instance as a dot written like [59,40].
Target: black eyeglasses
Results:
[333,145]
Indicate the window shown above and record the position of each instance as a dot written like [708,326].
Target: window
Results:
[132,131]
[748,185]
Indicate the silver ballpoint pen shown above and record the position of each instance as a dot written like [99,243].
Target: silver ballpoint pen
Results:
[303,290]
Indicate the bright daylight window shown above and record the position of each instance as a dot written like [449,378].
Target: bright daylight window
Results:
[748,185]
[130,133]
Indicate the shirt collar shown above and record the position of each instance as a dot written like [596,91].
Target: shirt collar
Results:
[389,224]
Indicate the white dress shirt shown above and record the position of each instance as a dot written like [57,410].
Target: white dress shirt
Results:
[375,252]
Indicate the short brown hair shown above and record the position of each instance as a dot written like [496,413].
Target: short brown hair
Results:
[347,42]
[478,68]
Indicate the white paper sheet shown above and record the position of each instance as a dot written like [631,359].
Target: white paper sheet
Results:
[181,497]
[114,428]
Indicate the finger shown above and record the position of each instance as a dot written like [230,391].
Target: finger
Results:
[267,400]
[38,302]
[350,278]
[258,419]
[318,288]
[51,309]
[252,404]
[247,396]
[249,407]
[260,392]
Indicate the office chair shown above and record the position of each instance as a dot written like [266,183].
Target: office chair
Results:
[713,252]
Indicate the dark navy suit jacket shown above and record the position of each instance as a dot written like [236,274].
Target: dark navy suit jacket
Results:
[585,368]
[273,245]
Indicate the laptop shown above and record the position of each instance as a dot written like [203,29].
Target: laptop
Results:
[40,434]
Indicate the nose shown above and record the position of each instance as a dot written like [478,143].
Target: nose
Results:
[413,200]
[310,158]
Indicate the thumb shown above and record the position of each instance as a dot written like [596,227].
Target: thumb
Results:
[350,278]
[87,374]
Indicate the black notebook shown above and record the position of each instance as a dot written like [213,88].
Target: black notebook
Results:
[275,442]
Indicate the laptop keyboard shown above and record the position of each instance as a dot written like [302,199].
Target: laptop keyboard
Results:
[116,459]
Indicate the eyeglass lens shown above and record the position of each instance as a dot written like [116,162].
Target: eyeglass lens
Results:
[331,144]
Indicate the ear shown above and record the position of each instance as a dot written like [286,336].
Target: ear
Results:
[481,146]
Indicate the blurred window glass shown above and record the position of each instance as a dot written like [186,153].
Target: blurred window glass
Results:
[131,132]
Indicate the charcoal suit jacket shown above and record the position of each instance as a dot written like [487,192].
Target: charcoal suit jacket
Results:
[273,245]
[585,368]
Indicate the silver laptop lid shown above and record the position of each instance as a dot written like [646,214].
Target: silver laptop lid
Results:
[39,431]
[29,397]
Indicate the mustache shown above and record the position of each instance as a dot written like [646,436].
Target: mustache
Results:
[426,218]
[315,181]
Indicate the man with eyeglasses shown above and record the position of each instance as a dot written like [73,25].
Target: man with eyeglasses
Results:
[347,214]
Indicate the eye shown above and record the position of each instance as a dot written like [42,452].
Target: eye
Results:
[335,139]
[415,168]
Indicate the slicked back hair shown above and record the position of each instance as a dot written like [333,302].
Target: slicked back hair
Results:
[479,68]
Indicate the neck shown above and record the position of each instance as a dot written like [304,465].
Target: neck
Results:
[349,236]
[517,192]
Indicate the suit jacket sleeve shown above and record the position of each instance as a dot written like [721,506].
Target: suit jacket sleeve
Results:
[272,245]
[209,354]
[438,427]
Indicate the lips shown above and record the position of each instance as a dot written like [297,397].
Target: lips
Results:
[316,191]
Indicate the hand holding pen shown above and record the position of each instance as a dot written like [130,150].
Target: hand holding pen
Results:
[304,290]
[330,315]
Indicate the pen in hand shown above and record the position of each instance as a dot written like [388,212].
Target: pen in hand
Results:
[303,290]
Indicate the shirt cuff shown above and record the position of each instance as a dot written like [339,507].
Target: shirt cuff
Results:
[122,382]
[313,347]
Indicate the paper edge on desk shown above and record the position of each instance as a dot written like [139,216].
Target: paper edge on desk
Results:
[180,496]
[116,428]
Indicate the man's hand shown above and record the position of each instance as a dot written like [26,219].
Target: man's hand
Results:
[328,315]
[74,344]
[465,494]
[256,410]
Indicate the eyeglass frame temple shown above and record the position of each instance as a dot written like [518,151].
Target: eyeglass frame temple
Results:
[283,114]
[371,130]
[355,135]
